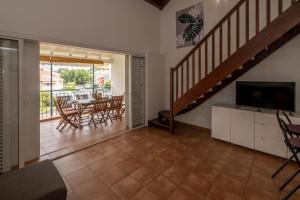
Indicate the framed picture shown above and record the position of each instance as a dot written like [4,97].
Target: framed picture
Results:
[189,26]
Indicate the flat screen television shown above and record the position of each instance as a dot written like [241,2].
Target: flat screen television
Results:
[271,95]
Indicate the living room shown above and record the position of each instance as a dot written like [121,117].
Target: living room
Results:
[194,130]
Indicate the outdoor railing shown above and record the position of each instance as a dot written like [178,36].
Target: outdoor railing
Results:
[47,107]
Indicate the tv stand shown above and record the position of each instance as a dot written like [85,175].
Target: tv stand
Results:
[253,128]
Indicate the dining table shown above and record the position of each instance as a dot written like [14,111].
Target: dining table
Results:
[81,105]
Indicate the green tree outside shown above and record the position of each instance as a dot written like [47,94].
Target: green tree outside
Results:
[77,77]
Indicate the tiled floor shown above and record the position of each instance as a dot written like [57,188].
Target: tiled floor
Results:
[59,143]
[150,164]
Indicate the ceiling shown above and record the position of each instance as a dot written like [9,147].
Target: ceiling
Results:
[158,3]
[47,49]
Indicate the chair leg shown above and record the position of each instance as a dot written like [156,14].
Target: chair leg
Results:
[64,125]
[90,119]
[60,123]
[93,118]
[289,180]
[103,119]
[118,114]
[290,193]
[109,117]
[282,166]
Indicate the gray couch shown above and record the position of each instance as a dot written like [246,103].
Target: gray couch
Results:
[40,181]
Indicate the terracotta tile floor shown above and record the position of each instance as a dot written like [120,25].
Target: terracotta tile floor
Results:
[150,164]
[70,138]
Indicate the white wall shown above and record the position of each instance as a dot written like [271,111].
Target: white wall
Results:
[121,25]
[155,78]
[30,119]
[281,66]
[118,75]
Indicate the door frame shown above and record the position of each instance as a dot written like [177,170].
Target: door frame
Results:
[128,83]
[20,99]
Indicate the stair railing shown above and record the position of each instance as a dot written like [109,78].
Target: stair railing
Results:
[235,29]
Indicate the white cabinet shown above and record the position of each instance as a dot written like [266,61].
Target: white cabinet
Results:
[268,136]
[221,123]
[265,142]
[249,128]
[242,128]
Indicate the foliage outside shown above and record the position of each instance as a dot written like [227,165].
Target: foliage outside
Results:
[75,77]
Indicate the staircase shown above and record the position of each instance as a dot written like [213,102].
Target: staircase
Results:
[240,40]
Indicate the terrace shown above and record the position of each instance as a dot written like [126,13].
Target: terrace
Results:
[66,74]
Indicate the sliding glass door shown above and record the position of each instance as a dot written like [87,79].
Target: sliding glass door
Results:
[9,101]
[138,91]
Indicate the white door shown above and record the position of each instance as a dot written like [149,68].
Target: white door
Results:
[9,104]
[138,91]
[242,128]
[221,123]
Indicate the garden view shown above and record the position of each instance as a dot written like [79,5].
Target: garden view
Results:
[71,80]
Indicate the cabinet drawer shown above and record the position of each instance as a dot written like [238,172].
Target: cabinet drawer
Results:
[268,131]
[264,118]
[274,147]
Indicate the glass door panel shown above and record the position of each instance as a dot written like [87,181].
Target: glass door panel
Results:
[138,91]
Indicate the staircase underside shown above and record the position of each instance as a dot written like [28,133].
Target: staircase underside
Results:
[273,36]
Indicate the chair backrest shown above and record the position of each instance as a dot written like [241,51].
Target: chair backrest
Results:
[116,102]
[97,94]
[285,131]
[60,104]
[287,119]
[62,101]
[82,96]
[101,104]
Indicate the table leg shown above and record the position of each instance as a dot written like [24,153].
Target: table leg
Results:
[79,118]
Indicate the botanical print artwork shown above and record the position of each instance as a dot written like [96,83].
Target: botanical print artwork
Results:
[189,25]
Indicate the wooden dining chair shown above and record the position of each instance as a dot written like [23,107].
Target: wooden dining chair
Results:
[293,144]
[64,102]
[115,108]
[99,111]
[97,94]
[67,114]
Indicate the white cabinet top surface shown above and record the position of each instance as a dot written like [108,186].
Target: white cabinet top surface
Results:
[253,109]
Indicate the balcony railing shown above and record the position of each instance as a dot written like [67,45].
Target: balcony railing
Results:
[47,107]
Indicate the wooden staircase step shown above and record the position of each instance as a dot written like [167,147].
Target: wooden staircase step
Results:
[164,114]
[157,123]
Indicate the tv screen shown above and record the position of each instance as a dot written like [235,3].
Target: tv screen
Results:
[272,95]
